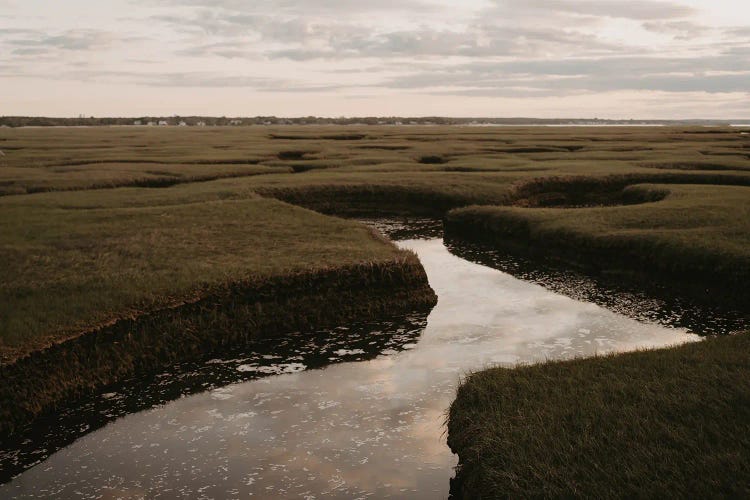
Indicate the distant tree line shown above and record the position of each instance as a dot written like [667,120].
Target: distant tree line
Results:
[40,121]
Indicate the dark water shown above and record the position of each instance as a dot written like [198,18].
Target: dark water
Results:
[351,413]
[655,303]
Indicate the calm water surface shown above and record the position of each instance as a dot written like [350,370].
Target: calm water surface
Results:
[369,425]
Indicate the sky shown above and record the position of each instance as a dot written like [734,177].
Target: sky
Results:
[618,59]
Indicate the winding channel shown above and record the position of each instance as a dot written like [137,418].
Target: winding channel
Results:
[351,413]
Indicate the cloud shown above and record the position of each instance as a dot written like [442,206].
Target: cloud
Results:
[68,40]
[480,41]
[718,74]
[252,35]
[683,30]
[481,48]
[30,51]
[334,30]
[305,7]
[626,9]
[188,79]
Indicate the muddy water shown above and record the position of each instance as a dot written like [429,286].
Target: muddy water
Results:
[370,424]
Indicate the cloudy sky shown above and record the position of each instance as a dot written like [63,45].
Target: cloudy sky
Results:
[541,58]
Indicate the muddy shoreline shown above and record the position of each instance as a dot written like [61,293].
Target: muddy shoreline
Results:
[636,264]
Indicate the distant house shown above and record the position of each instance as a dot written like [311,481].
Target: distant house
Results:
[201,124]
[137,122]
[235,122]
[163,123]
[151,124]
[182,124]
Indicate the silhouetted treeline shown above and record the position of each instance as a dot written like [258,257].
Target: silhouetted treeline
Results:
[40,121]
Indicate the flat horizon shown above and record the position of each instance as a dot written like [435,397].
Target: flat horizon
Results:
[382,117]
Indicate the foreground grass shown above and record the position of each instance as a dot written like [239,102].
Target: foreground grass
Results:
[74,261]
[664,423]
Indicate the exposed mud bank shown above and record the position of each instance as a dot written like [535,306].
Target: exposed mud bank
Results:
[219,319]
[584,191]
[369,200]
[354,200]
[706,278]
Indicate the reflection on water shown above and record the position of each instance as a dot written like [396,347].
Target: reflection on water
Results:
[263,357]
[656,304]
[354,429]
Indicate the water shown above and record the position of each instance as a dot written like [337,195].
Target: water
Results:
[371,424]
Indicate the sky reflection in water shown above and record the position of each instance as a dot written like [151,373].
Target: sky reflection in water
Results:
[354,429]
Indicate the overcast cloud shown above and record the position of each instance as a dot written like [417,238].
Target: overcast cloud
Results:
[613,58]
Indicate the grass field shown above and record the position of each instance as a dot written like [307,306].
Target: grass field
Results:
[73,261]
[107,225]
[104,284]
[200,206]
[698,234]
[433,158]
[652,424]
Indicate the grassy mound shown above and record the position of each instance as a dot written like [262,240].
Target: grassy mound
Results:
[73,262]
[218,318]
[102,285]
[665,423]
[696,235]
[19,180]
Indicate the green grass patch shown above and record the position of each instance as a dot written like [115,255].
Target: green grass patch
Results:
[74,261]
[651,424]
[697,234]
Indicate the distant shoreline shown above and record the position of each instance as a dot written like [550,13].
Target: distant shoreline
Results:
[424,121]
[477,125]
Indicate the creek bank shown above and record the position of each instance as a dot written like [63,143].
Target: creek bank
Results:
[574,191]
[222,318]
[391,406]
[661,423]
[650,302]
[707,278]
[710,278]
[370,200]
